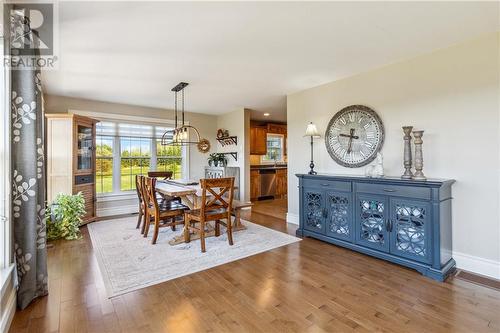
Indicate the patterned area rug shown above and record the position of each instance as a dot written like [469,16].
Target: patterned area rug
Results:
[128,261]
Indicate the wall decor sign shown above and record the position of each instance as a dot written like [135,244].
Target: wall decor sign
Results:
[354,136]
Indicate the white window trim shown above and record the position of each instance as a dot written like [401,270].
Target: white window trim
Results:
[5,168]
[114,117]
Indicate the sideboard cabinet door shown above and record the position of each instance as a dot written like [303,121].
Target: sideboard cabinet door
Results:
[411,229]
[371,221]
[314,210]
[339,215]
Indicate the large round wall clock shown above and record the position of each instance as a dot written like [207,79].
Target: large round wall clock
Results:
[354,136]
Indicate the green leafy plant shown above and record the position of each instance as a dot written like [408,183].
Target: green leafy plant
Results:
[64,216]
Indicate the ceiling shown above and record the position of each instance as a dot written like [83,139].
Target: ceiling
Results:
[241,54]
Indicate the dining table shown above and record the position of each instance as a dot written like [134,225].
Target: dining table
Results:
[191,195]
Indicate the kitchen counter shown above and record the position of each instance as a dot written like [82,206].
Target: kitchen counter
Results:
[268,166]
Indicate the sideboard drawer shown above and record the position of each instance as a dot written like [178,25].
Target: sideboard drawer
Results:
[328,184]
[396,190]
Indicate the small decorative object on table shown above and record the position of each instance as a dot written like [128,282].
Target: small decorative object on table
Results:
[220,133]
[407,152]
[419,159]
[226,134]
[376,170]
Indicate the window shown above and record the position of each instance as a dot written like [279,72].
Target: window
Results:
[135,159]
[124,150]
[169,159]
[274,149]
[104,164]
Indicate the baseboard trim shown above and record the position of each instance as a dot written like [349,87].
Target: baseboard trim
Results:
[292,218]
[486,267]
[8,314]
[120,210]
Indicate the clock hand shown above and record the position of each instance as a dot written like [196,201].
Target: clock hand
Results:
[350,136]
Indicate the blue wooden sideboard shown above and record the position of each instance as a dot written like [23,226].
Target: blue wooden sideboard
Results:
[403,221]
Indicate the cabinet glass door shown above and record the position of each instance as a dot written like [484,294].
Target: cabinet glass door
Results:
[314,210]
[84,153]
[339,216]
[371,222]
[410,229]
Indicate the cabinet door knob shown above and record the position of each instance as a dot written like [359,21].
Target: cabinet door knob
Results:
[325,184]
[389,190]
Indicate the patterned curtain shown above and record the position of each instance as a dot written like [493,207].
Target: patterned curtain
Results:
[28,168]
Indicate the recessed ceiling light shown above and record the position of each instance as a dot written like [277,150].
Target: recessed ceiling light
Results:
[267,114]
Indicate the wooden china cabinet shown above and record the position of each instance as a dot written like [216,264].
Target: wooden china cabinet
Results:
[71,161]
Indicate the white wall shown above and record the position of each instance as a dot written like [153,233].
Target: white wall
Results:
[238,124]
[453,94]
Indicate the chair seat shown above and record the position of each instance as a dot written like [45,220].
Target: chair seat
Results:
[172,205]
[209,213]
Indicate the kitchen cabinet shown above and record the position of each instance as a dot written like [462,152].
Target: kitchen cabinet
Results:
[254,184]
[403,221]
[258,140]
[276,128]
[281,182]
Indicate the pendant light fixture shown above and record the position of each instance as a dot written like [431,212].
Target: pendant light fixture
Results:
[179,136]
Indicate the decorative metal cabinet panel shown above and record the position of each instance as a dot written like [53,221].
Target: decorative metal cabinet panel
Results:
[371,221]
[339,214]
[314,210]
[410,229]
[403,221]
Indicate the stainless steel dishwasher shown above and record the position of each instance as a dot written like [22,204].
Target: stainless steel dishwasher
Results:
[267,183]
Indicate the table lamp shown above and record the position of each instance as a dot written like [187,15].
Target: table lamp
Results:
[313,133]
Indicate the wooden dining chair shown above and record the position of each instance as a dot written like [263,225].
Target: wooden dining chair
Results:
[216,206]
[161,174]
[166,175]
[139,191]
[165,214]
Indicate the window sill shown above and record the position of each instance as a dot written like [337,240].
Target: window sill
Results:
[116,196]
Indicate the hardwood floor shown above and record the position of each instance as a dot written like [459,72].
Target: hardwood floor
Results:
[276,208]
[309,286]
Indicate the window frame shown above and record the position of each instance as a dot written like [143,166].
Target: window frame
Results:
[115,118]
[6,259]
[264,159]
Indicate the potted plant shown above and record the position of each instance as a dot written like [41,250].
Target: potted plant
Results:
[212,159]
[222,159]
[64,216]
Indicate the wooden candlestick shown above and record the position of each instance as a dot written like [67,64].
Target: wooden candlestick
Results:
[419,159]
[407,152]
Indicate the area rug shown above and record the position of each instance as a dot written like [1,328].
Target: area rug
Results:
[128,261]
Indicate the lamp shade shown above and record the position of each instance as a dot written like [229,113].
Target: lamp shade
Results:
[311,130]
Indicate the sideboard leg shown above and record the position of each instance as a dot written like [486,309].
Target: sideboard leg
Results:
[299,233]
[440,274]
